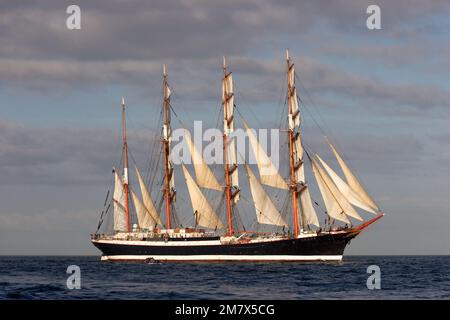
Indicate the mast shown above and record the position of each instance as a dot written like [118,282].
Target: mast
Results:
[229,146]
[125,165]
[292,158]
[168,170]
[225,142]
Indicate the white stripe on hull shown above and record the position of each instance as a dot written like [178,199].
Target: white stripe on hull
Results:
[160,243]
[164,258]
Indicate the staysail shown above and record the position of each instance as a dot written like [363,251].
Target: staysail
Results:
[337,206]
[120,216]
[145,221]
[205,177]
[268,173]
[204,213]
[147,200]
[309,215]
[346,191]
[228,129]
[266,212]
[353,182]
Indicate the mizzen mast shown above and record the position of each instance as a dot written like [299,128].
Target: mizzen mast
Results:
[125,166]
[169,185]
[229,146]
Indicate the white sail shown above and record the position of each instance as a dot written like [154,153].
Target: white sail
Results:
[294,124]
[295,114]
[334,210]
[147,200]
[353,182]
[205,177]
[145,221]
[167,135]
[268,173]
[266,212]
[309,215]
[120,215]
[351,196]
[337,195]
[228,129]
[204,213]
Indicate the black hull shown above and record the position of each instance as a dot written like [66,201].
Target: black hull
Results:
[320,247]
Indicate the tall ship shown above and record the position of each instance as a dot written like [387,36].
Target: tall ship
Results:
[147,224]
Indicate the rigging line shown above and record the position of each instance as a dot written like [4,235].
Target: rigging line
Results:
[278,191]
[156,165]
[242,118]
[103,212]
[253,204]
[118,163]
[185,127]
[281,106]
[305,107]
[208,192]
[218,121]
[238,219]
[155,145]
[180,107]
[247,108]
[307,147]
[329,189]
[106,198]
[283,113]
[132,157]
[308,96]
[328,136]
[152,160]
[153,177]
[239,113]
[220,206]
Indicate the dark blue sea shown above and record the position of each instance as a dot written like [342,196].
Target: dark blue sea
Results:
[402,277]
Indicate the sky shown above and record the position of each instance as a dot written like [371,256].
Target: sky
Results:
[382,95]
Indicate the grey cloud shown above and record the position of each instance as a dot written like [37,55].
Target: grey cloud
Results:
[62,155]
[114,30]
[258,80]
[321,77]
[373,154]
[125,45]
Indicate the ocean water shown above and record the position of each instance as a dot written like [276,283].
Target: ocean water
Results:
[402,277]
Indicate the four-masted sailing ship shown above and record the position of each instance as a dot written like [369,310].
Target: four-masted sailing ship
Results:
[214,235]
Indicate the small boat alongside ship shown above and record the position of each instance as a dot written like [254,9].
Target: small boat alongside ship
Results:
[149,231]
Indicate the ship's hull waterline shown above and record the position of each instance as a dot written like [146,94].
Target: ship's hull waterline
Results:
[321,247]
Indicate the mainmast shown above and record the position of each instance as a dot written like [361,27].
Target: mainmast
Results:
[229,146]
[169,191]
[294,126]
[125,165]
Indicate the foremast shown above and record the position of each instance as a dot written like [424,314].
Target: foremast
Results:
[295,161]
[169,186]
[125,166]
[229,146]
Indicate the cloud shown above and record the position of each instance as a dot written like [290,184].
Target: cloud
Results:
[258,79]
[62,155]
[324,78]
[126,45]
[114,30]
